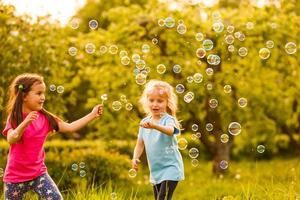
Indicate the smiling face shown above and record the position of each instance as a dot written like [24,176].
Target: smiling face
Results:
[35,98]
[157,102]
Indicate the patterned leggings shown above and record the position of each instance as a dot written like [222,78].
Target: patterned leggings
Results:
[43,185]
[165,188]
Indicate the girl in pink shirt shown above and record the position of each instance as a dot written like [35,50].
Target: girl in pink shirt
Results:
[26,130]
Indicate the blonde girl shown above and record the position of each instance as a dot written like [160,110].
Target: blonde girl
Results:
[157,135]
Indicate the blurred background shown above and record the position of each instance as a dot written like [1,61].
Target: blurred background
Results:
[233,64]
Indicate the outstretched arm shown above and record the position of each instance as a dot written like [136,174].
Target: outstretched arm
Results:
[168,130]
[78,124]
[138,150]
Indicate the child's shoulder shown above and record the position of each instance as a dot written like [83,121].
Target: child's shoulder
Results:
[145,119]
[168,116]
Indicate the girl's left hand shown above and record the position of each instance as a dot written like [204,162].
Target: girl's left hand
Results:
[147,124]
[98,110]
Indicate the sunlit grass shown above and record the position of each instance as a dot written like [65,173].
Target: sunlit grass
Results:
[251,180]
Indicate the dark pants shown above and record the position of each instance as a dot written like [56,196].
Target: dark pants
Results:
[165,188]
[43,185]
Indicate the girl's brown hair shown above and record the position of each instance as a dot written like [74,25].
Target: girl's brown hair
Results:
[18,89]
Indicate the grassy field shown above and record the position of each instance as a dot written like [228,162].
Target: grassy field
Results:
[275,179]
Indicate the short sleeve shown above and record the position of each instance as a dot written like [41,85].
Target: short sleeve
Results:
[6,128]
[140,134]
[171,122]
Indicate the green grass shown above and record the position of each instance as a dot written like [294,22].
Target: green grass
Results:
[276,180]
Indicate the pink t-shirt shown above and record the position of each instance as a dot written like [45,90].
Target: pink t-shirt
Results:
[26,158]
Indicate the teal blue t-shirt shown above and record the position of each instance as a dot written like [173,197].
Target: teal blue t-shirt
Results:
[164,159]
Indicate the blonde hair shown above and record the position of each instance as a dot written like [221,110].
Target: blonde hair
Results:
[168,92]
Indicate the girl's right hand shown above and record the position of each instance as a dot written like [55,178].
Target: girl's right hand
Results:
[134,163]
[33,115]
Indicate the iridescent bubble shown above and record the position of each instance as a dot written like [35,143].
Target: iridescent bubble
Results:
[195,127]
[209,86]
[181,29]
[218,27]
[193,153]
[264,53]
[140,64]
[234,128]
[243,51]
[74,167]
[60,89]
[161,68]
[82,165]
[113,49]
[74,23]
[223,164]
[274,25]
[209,127]
[224,138]
[132,173]
[242,102]
[123,53]
[161,22]
[147,69]
[189,79]
[140,79]
[103,49]
[195,162]
[250,25]
[188,97]
[209,71]
[135,57]
[177,69]
[82,173]
[260,148]
[213,59]
[213,103]
[180,88]
[199,36]
[113,196]
[230,29]
[198,135]
[227,89]
[154,41]
[237,34]
[216,15]
[145,48]
[199,62]
[270,44]
[182,143]
[90,48]
[198,78]
[52,87]
[116,105]
[208,44]
[72,51]
[200,53]
[290,48]
[93,24]
[123,98]
[231,48]
[128,106]
[229,39]
[125,60]
[169,22]
[242,37]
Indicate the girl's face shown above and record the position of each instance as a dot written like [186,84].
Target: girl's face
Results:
[35,98]
[157,102]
